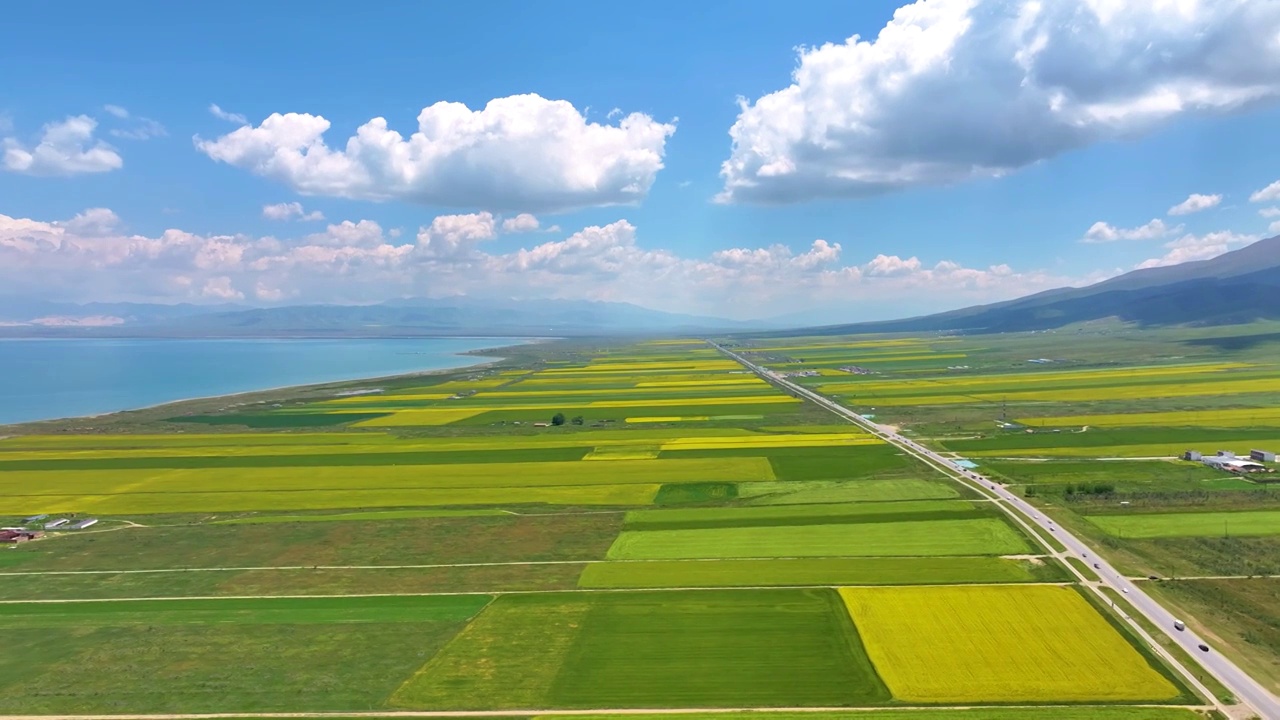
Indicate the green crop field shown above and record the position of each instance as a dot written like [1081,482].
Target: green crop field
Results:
[983,536]
[815,571]
[1190,524]
[675,649]
[174,656]
[675,518]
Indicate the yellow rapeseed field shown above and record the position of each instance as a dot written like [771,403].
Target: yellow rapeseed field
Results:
[771,441]
[424,416]
[711,380]
[697,401]
[999,643]
[1237,417]
[1137,391]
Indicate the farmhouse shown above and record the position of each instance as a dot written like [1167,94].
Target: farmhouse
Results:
[56,523]
[1262,455]
[18,536]
[87,522]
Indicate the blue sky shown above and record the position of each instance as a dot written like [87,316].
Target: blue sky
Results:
[989,137]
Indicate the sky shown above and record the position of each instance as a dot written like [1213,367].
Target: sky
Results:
[832,161]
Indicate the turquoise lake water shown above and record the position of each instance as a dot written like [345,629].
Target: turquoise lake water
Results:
[46,379]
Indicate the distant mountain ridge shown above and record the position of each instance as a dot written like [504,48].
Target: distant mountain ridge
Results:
[396,318]
[1236,287]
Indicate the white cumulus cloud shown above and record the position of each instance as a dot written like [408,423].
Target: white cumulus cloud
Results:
[456,236]
[1269,193]
[1194,203]
[90,257]
[289,211]
[522,152]
[1199,247]
[524,222]
[1101,232]
[956,89]
[65,148]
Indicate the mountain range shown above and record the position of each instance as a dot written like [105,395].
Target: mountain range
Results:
[396,318]
[1237,287]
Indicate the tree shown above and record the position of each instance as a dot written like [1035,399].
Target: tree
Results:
[557,419]
[578,420]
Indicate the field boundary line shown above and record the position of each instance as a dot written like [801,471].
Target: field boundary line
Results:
[153,571]
[569,713]
[448,593]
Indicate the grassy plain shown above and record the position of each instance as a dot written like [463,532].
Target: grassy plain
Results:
[175,656]
[638,649]
[1239,617]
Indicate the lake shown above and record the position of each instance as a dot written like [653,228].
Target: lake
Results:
[42,379]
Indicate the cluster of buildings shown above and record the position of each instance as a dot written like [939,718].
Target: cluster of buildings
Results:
[801,373]
[856,370]
[1227,460]
[43,522]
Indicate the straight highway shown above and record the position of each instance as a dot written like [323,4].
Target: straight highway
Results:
[1245,688]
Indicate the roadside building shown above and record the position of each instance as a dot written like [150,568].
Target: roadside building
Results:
[1234,464]
[1193,455]
[1262,455]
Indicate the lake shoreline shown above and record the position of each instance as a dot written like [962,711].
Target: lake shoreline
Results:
[473,359]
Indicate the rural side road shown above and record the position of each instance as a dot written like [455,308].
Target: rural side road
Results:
[1245,688]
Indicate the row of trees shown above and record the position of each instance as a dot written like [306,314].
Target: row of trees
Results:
[558,419]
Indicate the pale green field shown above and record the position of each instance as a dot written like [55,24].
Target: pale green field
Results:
[980,536]
[1190,524]
[1233,418]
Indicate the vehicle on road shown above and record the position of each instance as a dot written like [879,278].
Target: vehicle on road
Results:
[1203,647]
[1096,567]
[1179,625]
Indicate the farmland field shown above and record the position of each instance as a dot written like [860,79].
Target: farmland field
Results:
[1223,524]
[678,649]
[171,656]
[999,644]
[814,571]
[985,536]
[596,525]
